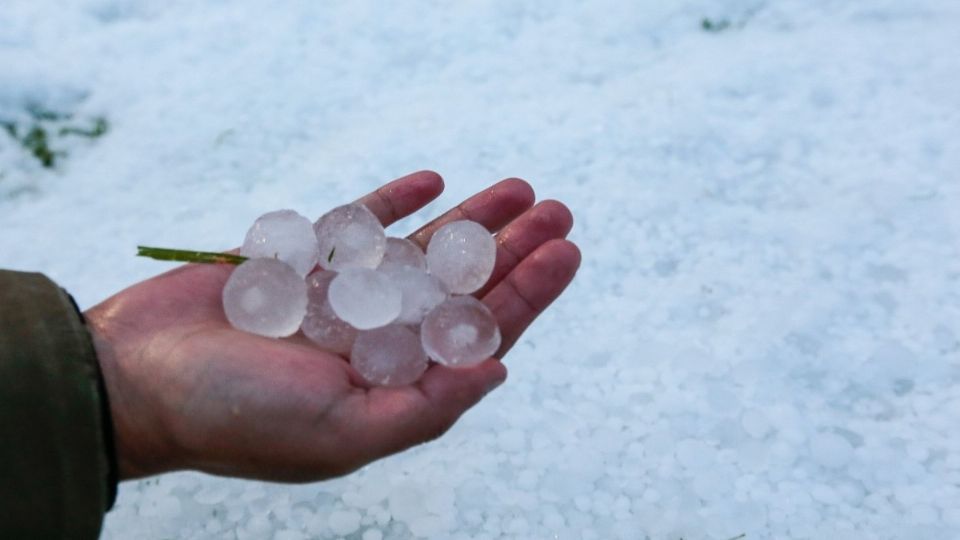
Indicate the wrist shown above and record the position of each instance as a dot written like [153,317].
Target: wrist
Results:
[106,420]
[139,448]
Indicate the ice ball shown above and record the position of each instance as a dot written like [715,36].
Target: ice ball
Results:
[365,298]
[389,356]
[403,252]
[321,325]
[420,292]
[462,255]
[265,297]
[830,450]
[284,235]
[460,332]
[350,236]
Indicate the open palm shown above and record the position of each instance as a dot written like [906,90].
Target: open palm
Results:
[187,391]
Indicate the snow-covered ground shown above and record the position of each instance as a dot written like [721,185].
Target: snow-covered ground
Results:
[762,340]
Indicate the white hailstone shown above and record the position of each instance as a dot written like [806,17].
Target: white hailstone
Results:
[389,356]
[365,298]
[284,235]
[344,522]
[830,450]
[420,292]
[403,252]
[755,423]
[350,236]
[460,332]
[265,297]
[462,255]
[160,505]
[695,454]
[321,325]
[372,534]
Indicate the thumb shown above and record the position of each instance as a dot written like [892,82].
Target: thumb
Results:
[452,391]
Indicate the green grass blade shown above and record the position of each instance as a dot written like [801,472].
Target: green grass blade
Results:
[183,255]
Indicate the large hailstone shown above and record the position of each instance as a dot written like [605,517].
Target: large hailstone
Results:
[350,236]
[420,292]
[265,297]
[460,332]
[403,252]
[321,325]
[284,235]
[389,356]
[365,298]
[462,255]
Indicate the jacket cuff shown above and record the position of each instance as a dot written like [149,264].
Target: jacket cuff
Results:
[57,464]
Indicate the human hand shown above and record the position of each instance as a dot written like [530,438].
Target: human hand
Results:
[188,391]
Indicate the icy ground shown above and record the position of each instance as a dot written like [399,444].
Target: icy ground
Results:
[763,338]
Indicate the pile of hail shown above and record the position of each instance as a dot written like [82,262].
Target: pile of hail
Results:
[381,301]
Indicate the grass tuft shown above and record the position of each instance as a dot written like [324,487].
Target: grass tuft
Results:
[41,129]
[715,26]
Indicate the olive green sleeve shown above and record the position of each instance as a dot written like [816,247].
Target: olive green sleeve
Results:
[57,469]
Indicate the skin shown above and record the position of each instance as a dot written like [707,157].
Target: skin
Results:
[187,391]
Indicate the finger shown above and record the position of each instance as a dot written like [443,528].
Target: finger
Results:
[397,418]
[404,196]
[532,286]
[493,208]
[546,221]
